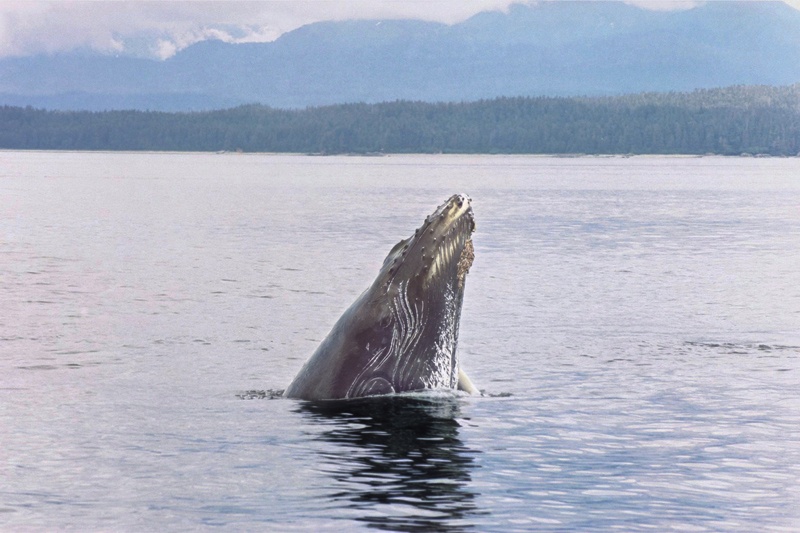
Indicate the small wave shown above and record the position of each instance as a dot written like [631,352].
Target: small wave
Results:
[431,394]
[747,347]
[268,394]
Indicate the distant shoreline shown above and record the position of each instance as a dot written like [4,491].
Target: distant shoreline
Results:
[733,121]
[404,154]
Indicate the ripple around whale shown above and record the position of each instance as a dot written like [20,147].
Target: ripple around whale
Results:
[402,452]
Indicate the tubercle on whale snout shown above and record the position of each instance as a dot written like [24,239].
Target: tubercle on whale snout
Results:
[448,229]
[437,246]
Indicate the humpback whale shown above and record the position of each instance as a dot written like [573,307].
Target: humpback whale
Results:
[401,334]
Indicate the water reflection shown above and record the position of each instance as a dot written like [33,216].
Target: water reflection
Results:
[400,461]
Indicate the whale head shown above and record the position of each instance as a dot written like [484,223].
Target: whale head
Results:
[418,296]
[401,333]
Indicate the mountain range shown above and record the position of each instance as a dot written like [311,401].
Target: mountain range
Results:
[547,48]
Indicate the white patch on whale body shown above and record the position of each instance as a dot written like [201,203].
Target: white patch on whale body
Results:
[443,371]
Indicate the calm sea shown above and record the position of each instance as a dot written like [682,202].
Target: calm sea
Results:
[634,322]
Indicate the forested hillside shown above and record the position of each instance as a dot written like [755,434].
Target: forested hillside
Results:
[734,120]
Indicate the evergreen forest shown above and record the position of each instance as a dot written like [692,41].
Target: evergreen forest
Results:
[731,121]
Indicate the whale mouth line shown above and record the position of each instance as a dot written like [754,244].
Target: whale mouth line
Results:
[465,262]
[454,250]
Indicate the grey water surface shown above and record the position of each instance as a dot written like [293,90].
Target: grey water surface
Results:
[635,323]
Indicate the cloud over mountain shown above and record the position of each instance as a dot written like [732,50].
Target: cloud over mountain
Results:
[161,29]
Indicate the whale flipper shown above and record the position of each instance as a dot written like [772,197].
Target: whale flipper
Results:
[465,384]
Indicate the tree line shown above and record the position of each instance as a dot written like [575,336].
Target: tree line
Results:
[731,121]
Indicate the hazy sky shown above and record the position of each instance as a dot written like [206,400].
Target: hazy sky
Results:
[161,28]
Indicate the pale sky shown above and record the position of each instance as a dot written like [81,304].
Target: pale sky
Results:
[161,28]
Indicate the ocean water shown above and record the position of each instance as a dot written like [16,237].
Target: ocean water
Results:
[634,323]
